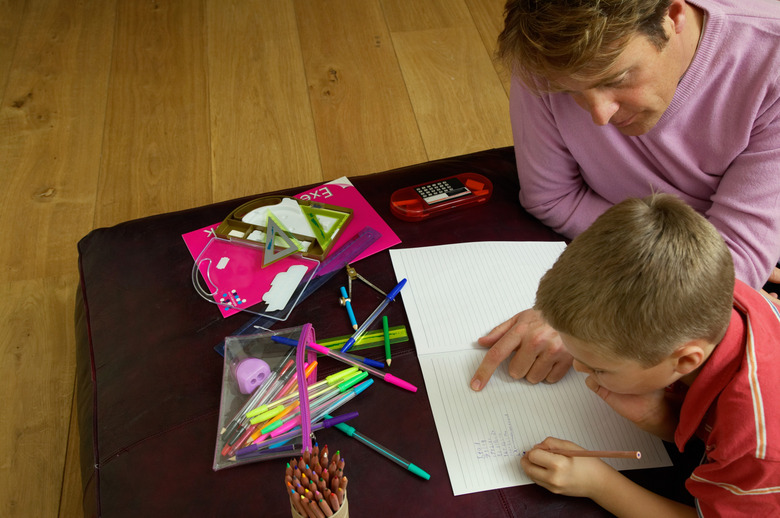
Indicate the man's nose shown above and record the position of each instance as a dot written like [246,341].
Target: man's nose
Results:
[601,106]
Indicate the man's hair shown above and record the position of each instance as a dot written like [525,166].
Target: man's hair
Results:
[581,39]
[649,275]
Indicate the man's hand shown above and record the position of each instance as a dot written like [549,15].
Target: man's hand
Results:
[539,354]
[771,297]
[559,474]
[774,275]
[655,412]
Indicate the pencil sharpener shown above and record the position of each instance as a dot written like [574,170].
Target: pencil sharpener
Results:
[250,374]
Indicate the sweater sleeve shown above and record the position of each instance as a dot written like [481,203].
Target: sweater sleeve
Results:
[746,207]
[552,188]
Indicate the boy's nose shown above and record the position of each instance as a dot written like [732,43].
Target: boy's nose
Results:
[579,367]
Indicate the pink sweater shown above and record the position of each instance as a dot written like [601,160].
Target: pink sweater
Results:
[717,146]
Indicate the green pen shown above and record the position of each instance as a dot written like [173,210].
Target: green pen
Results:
[350,430]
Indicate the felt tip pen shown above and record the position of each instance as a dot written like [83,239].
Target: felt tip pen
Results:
[323,402]
[336,403]
[386,376]
[314,390]
[293,343]
[268,454]
[321,407]
[296,432]
[350,431]
[370,320]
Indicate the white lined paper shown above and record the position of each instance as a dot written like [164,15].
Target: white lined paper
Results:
[457,293]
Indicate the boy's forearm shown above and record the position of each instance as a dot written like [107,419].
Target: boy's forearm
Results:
[623,498]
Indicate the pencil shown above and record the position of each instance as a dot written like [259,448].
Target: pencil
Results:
[596,453]
[386,329]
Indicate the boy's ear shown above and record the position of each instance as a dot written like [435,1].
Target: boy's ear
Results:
[690,356]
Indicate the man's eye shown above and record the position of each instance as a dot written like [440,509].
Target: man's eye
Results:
[616,83]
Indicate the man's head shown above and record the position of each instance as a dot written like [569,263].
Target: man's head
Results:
[649,276]
[620,60]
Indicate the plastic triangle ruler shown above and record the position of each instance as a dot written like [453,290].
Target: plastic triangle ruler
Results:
[323,236]
[275,229]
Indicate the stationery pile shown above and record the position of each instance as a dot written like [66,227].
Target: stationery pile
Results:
[261,413]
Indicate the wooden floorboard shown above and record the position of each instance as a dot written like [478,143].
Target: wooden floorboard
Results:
[37,390]
[262,129]
[121,109]
[156,141]
[363,116]
[459,102]
[11,12]
[51,125]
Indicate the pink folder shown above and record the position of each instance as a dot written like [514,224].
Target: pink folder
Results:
[246,282]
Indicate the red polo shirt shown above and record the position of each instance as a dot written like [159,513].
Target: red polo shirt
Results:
[734,407]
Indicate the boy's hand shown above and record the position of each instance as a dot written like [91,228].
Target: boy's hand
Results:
[572,476]
[655,412]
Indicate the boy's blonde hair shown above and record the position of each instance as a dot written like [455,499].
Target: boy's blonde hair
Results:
[580,39]
[649,275]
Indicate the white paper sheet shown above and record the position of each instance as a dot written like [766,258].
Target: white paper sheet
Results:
[457,293]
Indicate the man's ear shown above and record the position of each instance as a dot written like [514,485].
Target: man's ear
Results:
[690,356]
[676,14]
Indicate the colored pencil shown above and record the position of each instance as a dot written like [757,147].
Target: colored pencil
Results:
[597,453]
[386,330]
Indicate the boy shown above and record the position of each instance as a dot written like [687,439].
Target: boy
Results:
[646,299]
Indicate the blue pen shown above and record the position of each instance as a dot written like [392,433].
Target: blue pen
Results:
[350,430]
[294,343]
[370,320]
[348,304]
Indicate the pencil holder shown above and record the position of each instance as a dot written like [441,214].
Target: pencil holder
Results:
[343,511]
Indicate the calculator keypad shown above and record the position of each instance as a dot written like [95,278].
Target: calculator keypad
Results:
[444,190]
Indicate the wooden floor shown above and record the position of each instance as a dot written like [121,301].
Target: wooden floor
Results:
[118,109]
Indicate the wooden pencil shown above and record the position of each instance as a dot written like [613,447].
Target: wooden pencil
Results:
[597,453]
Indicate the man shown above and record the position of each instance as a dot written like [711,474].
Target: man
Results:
[621,98]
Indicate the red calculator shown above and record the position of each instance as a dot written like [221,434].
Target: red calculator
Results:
[431,199]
